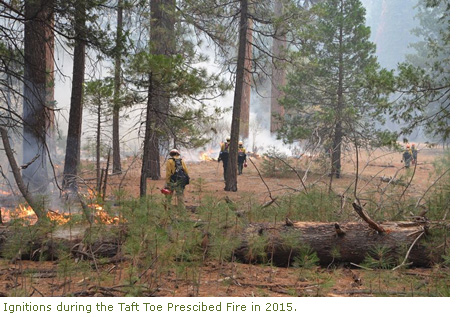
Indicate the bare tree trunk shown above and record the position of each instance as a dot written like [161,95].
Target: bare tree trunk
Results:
[98,149]
[117,86]
[338,132]
[246,99]
[38,80]
[162,42]
[38,209]
[231,182]
[72,152]
[278,76]
[345,242]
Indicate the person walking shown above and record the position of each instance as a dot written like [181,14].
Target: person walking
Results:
[414,153]
[241,157]
[407,157]
[223,156]
[177,177]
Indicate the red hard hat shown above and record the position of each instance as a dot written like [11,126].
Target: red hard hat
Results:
[166,191]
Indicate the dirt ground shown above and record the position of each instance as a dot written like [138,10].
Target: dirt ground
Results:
[28,278]
[373,166]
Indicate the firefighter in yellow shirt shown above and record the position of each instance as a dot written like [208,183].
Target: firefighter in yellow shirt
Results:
[241,157]
[177,177]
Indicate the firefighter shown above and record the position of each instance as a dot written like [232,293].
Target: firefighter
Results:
[177,177]
[407,157]
[241,157]
[223,156]
[414,153]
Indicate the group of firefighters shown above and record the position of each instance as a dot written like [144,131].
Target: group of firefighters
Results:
[410,156]
[175,165]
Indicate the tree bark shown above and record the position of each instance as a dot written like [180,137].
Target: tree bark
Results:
[231,182]
[72,151]
[346,242]
[38,82]
[117,87]
[332,242]
[38,209]
[278,74]
[162,42]
[246,99]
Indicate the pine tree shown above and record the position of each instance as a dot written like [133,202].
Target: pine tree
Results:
[424,80]
[328,96]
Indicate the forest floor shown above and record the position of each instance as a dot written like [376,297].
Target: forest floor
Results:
[214,278]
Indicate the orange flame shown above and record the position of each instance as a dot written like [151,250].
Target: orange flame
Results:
[102,216]
[206,156]
[29,217]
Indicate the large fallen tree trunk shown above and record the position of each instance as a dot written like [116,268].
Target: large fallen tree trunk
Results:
[401,242]
[81,242]
[348,242]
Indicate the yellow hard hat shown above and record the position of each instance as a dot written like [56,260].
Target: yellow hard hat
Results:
[240,142]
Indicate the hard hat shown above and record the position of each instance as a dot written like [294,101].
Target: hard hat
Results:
[413,144]
[240,142]
[407,146]
[228,138]
[174,151]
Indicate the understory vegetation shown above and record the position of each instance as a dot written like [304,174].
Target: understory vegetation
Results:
[157,249]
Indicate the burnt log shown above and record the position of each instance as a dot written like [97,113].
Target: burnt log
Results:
[81,242]
[332,242]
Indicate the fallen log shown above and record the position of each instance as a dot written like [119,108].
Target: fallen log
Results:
[81,242]
[333,242]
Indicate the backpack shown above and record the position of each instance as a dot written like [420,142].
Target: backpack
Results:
[224,153]
[179,176]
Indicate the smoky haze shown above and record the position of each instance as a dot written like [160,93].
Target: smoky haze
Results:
[391,22]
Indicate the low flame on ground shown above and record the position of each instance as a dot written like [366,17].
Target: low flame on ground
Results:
[27,214]
[102,216]
[4,193]
[206,156]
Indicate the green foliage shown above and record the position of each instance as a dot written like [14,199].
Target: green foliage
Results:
[257,246]
[273,163]
[306,260]
[314,205]
[335,84]
[379,257]
[424,80]
[189,118]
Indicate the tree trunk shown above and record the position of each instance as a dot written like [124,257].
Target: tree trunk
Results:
[348,242]
[98,149]
[86,243]
[333,243]
[38,208]
[246,99]
[279,75]
[38,102]
[231,182]
[117,87]
[72,151]
[162,42]
[338,132]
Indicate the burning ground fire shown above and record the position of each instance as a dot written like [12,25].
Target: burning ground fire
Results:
[27,214]
[207,156]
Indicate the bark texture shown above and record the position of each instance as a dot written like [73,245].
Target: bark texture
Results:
[348,242]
